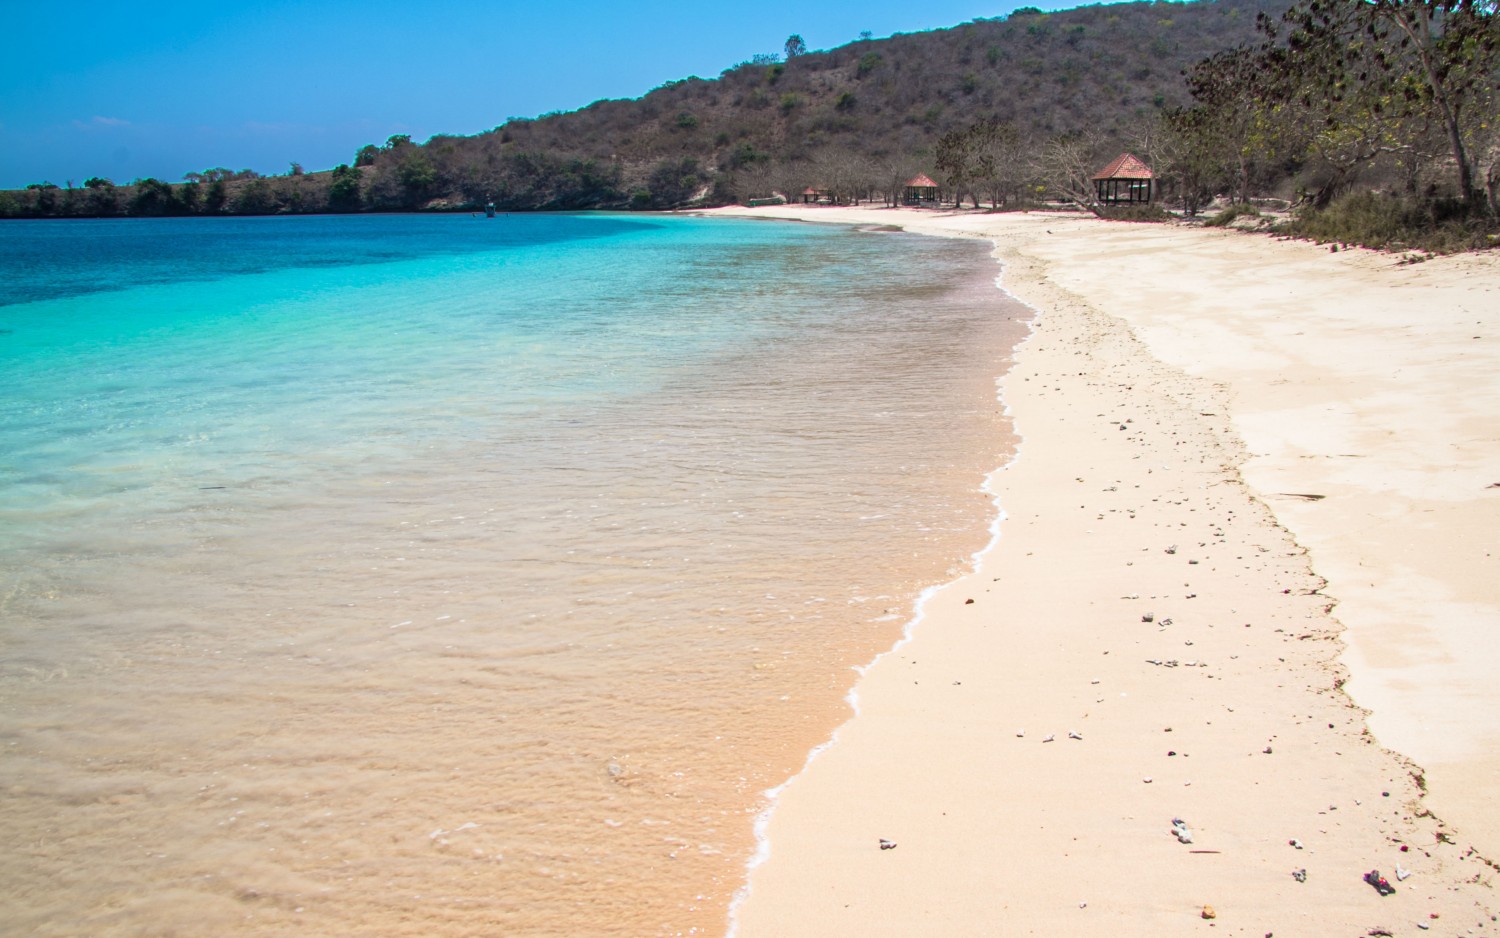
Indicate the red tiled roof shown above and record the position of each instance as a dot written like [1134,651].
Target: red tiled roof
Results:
[810,191]
[1125,166]
[920,181]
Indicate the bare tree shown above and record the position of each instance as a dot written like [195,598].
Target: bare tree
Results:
[1004,169]
[893,171]
[1066,164]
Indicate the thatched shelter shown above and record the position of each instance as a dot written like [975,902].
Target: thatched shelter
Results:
[919,189]
[1125,181]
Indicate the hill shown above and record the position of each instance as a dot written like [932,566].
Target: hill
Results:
[859,119]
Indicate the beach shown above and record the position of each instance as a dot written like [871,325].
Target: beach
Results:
[1231,650]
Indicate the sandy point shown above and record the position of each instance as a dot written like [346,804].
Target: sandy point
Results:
[1234,649]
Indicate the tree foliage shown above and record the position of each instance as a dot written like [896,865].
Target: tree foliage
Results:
[343,190]
[1338,87]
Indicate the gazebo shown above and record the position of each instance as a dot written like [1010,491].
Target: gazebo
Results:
[919,189]
[1125,181]
[811,196]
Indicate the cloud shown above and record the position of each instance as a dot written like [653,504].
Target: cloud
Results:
[98,121]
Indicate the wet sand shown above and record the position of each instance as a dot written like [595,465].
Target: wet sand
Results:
[1246,579]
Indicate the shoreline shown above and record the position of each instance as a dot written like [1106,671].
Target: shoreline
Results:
[1169,371]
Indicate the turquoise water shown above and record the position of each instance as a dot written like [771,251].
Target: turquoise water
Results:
[428,575]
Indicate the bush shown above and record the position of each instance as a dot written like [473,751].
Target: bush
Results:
[1139,213]
[1234,211]
[1393,223]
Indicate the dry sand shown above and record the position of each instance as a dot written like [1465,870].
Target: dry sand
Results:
[1245,578]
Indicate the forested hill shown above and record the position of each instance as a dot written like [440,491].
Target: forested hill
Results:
[856,118]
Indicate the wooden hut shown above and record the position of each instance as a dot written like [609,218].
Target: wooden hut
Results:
[1125,181]
[919,189]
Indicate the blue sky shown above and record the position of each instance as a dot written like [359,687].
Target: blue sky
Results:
[126,90]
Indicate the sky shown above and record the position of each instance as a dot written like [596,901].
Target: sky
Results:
[130,90]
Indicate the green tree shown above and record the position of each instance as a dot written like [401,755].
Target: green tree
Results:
[255,198]
[153,197]
[674,182]
[1191,157]
[794,47]
[97,182]
[188,197]
[1378,74]
[1239,118]
[216,197]
[343,191]
[366,155]
[963,157]
[417,175]
[103,200]
[46,197]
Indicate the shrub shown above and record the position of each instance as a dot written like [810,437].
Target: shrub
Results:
[1234,211]
[1393,223]
[1138,213]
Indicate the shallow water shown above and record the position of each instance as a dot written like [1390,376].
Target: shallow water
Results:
[441,576]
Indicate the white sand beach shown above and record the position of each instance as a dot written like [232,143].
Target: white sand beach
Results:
[1246,579]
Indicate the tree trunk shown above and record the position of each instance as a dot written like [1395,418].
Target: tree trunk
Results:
[1419,31]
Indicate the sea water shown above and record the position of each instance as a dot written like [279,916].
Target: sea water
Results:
[440,575]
